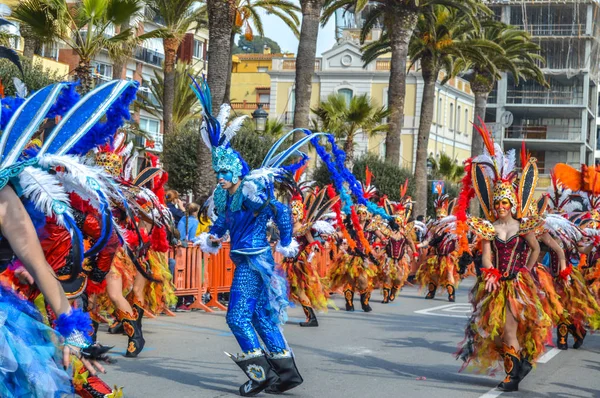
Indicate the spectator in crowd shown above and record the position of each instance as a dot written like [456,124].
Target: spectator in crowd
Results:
[188,224]
[175,206]
[204,221]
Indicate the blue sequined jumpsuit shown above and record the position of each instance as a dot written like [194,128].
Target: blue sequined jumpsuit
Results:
[258,298]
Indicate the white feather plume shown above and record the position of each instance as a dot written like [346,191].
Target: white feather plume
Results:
[233,128]
[20,87]
[562,226]
[223,116]
[509,163]
[323,227]
[127,150]
[128,170]
[204,135]
[45,191]
[119,139]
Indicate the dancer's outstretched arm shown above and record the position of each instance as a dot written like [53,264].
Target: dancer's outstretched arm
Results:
[17,228]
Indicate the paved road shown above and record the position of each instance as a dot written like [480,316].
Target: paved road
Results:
[403,349]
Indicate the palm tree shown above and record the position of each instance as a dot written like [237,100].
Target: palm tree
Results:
[248,20]
[305,62]
[345,119]
[439,38]
[515,54]
[186,108]
[82,25]
[178,17]
[446,168]
[399,19]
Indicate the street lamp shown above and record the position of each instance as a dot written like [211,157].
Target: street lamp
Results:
[260,118]
[429,167]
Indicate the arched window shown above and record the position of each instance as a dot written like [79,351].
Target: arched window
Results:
[439,111]
[451,117]
[466,121]
[347,93]
[458,115]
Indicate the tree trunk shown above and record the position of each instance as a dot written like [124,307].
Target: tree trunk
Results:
[400,25]
[227,96]
[120,62]
[481,92]
[83,73]
[427,105]
[170,46]
[349,149]
[220,26]
[30,42]
[305,62]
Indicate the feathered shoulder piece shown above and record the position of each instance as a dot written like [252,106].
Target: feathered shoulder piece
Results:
[482,228]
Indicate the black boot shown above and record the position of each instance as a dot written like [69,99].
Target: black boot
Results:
[258,369]
[286,369]
[94,331]
[512,367]
[386,296]
[116,327]
[364,301]
[393,292]
[578,334]
[451,293]
[562,333]
[349,296]
[432,287]
[137,306]
[311,318]
[525,366]
[133,330]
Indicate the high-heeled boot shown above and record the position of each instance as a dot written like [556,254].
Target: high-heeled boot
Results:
[451,293]
[288,375]
[562,333]
[431,289]
[364,301]
[311,318]
[116,327]
[258,369]
[136,304]
[386,296]
[133,329]
[579,334]
[512,367]
[393,292]
[525,365]
[349,297]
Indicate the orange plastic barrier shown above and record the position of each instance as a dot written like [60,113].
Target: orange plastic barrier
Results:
[197,273]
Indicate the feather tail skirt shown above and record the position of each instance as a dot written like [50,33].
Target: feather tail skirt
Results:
[347,269]
[481,348]
[159,295]
[30,360]
[304,280]
[550,299]
[396,270]
[592,279]
[437,269]
[121,268]
[580,305]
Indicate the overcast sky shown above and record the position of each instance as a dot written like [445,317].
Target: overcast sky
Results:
[277,30]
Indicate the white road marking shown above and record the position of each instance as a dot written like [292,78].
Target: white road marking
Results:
[549,355]
[493,393]
[463,309]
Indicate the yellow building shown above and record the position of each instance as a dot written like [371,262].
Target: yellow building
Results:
[268,79]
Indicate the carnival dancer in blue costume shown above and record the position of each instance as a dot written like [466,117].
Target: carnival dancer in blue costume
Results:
[244,201]
[32,366]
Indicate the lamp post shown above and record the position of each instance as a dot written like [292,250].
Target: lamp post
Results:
[260,119]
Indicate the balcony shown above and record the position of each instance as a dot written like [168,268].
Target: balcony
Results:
[554,30]
[154,17]
[290,64]
[244,105]
[556,133]
[149,56]
[568,96]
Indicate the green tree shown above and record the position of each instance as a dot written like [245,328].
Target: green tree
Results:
[179,157]
[515,54]
[186,108]
[178,17]
[256,45]
[399,19]
[447,169]
[81,25]
[345,119]
[34,75]
[252,146]
[386,177]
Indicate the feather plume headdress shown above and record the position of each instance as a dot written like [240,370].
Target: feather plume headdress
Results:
[494,177]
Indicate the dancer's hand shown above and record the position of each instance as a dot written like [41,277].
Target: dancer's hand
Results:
[491,283]
[93,366]
[24,276]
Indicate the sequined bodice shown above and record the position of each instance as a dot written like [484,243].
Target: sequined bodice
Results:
[510,255]
[395,248]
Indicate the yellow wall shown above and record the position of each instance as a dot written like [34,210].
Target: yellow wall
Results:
[407,150]
[378,93]
[52,65]
[410,100]
[243,85]
[251,65]
[283,93]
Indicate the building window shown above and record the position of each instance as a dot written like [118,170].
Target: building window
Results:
[451,117]
[439,111]
[346,93]
[466,121]
[102,69]
[198,49]
[458,115]
[152,128]
[263,69]
[264,98]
